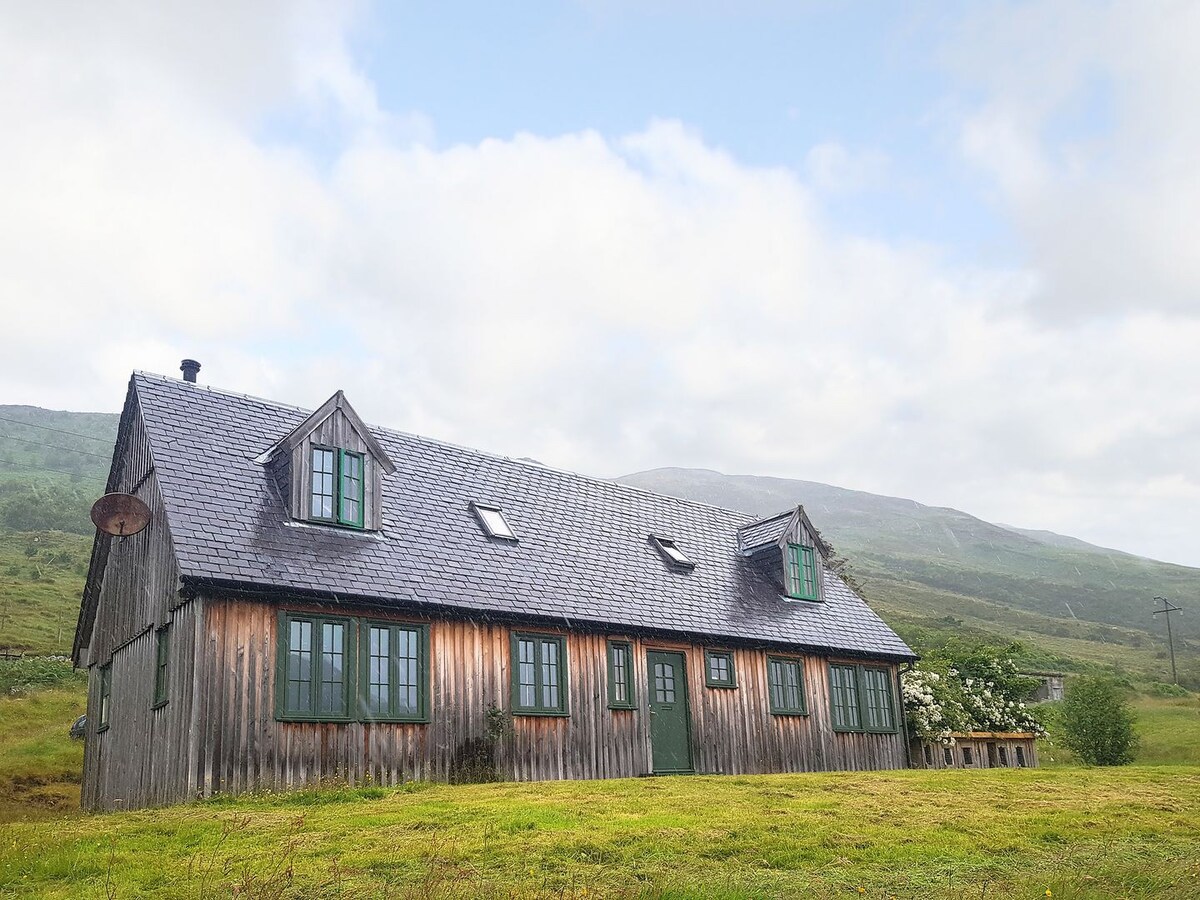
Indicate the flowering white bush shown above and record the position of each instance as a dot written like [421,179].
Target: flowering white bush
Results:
[982,692]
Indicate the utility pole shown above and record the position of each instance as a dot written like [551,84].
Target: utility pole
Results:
[1168,608]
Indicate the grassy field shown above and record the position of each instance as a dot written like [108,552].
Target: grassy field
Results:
[1077,833]
[41,580]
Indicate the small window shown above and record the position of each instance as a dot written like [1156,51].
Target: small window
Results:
[314,673]
[843,697]
[620,675]
[395,672]
[785,679]
[539,675]
[162,656]
[493,522]
[718,669]
[105,698]
[338,486]
[802,573]
[1021,757]
[928,757]
[671,553]
[878,710]
[947,756]
[968,756]
[1004,756]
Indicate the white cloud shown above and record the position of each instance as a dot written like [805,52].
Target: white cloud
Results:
[605,303]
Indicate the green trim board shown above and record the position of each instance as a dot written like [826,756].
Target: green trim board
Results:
[393,672]
[539,674]
[801,573]
[315,668]
[620,675]
[162,658]
[104,698]
[352,469]
[719,669]
[785,686]
[861,698]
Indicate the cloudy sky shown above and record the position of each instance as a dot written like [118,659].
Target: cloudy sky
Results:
[935,251]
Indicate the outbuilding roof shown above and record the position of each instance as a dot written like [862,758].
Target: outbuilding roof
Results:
[584,554]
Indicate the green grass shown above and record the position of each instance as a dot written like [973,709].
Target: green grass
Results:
[41,582]
[40,766]
[1003,833]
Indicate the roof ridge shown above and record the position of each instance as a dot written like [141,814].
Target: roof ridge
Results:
[608,482]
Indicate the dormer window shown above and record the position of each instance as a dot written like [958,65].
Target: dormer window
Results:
[671,553]
[337,486]
[493,522]
[801,573]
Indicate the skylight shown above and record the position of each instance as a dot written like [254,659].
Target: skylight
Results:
[493,522]
[671,552]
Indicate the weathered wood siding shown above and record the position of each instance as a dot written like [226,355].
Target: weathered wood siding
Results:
[336,431]
[146,756]
[138,592]
[242,747]
[928,755]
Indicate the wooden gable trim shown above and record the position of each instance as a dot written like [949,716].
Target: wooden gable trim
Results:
[336,403]
[800,518]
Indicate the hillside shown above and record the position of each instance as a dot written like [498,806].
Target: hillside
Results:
[942,569]
[53,466]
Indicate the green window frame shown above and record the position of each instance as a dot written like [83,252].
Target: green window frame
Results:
[539,674]
[315,669]
[785,686]
[861,698]
[162,658]
[337,492]
[801,573]
[620,675]
[719,670]
[879,712]
[393,671]
[104,698]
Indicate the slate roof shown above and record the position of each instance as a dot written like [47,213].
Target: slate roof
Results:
[764,532]
[583,552]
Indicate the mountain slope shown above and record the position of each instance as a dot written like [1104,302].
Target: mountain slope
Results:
[923,563]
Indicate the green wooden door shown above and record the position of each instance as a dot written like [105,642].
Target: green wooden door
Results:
[670,724]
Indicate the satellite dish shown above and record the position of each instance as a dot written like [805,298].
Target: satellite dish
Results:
[120,514]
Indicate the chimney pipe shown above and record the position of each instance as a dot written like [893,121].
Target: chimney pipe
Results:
[189,368]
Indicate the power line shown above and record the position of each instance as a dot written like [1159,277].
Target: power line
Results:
[1168,608]
[12,437]
[90,437]
[13,462]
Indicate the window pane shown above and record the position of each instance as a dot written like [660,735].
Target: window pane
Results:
[494,522]
[810,572]
[333,694]
[408,645]
[664,683]
[550,674]
[299,668]
[322,483]
[379,677]
[791,686]
[526,670]
[620,673]
[352,488]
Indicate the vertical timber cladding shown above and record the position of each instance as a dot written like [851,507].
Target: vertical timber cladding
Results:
[243,747]
[137,593]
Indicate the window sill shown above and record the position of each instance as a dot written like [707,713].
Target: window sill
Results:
[789,712]
[721,686]
[622,707]
[102,729]
[544,713]
[159,705]
[393,720]
[332,720]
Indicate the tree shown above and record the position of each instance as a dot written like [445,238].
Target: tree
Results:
[1097,723]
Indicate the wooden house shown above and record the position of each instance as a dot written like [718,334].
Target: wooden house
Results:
[317,599]
[978,750]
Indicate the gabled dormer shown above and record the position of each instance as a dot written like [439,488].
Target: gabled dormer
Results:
[788,549]
[330,468]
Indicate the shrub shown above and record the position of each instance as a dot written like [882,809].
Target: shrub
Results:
[19,677]
[1097,723]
